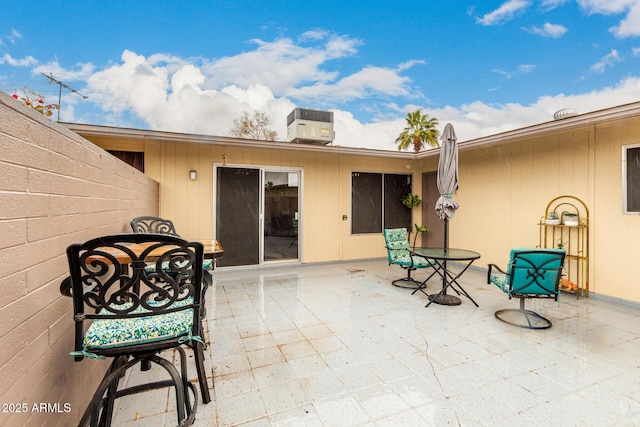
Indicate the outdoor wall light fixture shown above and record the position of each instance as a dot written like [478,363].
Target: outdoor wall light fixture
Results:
[193,175]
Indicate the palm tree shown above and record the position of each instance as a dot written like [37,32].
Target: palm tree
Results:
[420,130]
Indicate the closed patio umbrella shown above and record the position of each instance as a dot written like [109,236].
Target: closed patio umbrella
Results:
[447,179]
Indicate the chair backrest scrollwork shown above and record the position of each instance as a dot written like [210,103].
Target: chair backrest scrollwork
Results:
[153,224]
[135,275]
[535,272]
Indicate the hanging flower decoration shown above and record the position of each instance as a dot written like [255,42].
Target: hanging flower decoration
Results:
[36,101]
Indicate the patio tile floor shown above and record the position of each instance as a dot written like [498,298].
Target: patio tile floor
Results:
[337,345]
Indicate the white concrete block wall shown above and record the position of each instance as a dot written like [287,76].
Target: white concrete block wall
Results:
[56,188]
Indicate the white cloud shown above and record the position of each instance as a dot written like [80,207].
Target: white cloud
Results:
[27,61]
[281,64]
[196,96]
[506,12]
[366,82]
[629,26]
[479,119]
[549,30]
[81,72]
[607,60]
[520,70]
[15,36]
[526,68]
[605,7]
[552,4]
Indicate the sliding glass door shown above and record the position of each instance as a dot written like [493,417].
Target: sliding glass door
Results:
[281,207]
[257,214]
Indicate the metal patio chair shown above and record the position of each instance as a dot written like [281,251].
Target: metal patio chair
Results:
[531,273]
[123,312]
[399,253]
[157,225]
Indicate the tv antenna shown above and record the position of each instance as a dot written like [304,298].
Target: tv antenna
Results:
[61,85]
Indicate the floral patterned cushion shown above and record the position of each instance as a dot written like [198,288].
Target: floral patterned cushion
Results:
[402,245]
[207,264]
[500,280]
[397,241]
[111,333]
[396,235]
[405,260]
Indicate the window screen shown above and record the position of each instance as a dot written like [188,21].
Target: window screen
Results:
[631,179]
[376,202]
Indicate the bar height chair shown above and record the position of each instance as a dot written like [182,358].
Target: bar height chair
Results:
[123,312]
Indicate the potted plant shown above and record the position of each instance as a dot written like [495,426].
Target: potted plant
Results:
[570,218]
[419,229]
[411,201]
[552,218]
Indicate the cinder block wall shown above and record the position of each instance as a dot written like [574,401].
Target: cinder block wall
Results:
[56,188]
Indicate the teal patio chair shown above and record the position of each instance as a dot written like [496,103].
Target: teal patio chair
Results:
[399,253]
[531,273]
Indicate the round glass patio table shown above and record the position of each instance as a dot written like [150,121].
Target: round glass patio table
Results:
[441,256]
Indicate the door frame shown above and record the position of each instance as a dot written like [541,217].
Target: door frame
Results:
[263,169]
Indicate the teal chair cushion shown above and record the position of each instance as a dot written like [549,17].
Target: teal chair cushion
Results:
[398,249]
[397,243]
[111,333]
[530,272]
[408,260]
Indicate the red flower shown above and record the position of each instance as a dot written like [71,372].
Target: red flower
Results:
[40,101]
[15,95]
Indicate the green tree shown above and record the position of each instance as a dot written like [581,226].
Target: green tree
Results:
[420,130]
[254,127]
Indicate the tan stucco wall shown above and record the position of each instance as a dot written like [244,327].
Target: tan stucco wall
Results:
[616,242]
[504,188]
[55,189]
[326,192]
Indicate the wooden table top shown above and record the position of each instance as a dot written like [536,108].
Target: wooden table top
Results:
[212,249]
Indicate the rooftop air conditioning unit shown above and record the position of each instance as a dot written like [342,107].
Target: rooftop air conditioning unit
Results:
[310,127]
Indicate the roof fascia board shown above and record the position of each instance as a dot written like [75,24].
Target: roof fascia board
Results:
[139,134]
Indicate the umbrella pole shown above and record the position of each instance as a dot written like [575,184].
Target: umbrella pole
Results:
[446,246]
[442,297]
[446,234]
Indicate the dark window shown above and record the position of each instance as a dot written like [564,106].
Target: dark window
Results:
[376,202]
[135,159]
[396,215]
[631,173]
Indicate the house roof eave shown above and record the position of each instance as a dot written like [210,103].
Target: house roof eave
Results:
[142,134]
[581,120]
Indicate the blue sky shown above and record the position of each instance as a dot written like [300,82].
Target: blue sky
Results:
[195,66]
